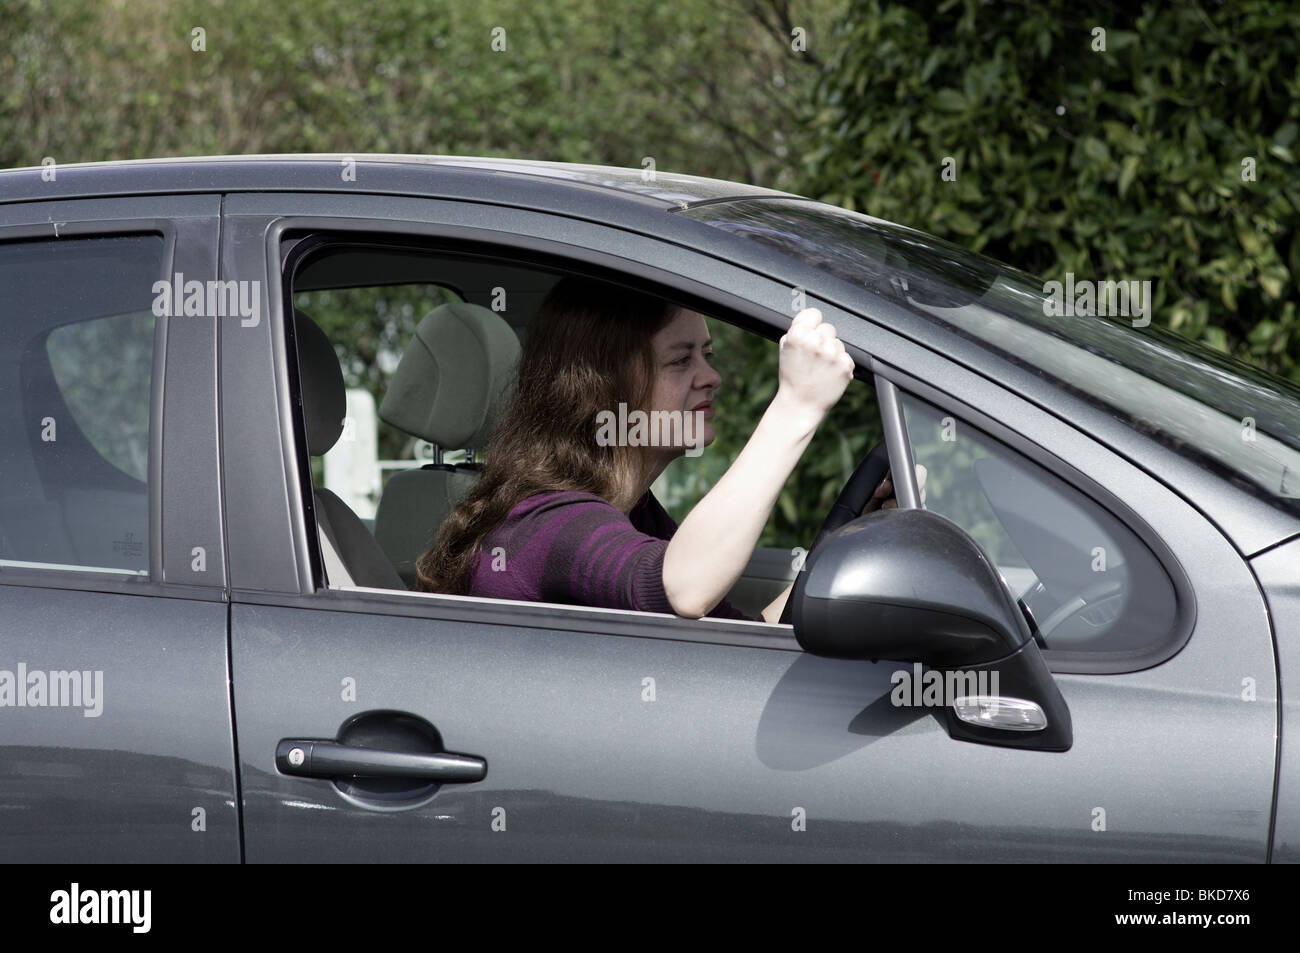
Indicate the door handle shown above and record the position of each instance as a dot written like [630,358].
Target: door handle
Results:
[327,759]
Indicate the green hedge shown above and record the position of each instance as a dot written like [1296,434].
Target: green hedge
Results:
[1122,162]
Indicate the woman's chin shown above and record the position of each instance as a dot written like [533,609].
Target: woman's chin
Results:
[707,436]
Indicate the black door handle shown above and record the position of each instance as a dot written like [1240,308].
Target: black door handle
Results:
[327,759]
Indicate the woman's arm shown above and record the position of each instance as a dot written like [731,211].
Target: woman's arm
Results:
[714,542]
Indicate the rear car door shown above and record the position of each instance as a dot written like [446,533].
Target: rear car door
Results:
[606,735]
[116,734]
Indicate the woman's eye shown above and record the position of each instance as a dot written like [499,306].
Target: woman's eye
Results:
[682,362]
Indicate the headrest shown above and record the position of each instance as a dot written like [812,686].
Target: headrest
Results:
[324,398]
[454,378]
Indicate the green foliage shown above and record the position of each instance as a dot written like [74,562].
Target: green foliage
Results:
[1122,163]
[1128,162]
[699,87]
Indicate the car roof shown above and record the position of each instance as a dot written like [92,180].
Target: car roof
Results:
[296,172]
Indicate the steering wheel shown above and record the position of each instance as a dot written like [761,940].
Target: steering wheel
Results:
[848,505]
[1092,598]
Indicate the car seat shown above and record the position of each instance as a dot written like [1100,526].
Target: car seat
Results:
[450,387]
[348,550]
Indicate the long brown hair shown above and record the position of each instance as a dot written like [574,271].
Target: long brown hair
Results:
[588,349]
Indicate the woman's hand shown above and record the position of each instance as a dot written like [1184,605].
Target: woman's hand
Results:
[814,367]
[884,499]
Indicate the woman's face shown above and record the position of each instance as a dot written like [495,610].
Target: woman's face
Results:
[685,382]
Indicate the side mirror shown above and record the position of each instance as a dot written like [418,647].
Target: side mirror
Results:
[912,586]
[924,586]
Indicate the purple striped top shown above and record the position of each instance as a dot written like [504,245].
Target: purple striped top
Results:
[577,548]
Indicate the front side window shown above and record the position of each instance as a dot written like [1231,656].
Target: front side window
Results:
[1090,583]
[400,461]
[77,353]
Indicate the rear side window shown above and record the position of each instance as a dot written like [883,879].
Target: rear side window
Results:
[77,356]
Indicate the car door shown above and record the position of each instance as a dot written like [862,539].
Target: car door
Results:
[572,733]
[116,736]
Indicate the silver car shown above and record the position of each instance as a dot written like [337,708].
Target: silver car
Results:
[1070,644]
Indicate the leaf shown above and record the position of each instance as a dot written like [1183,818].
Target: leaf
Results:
[1120,39]
[961,223]
[1263,332]
[1228,296]
[1250,241]
[1095,149]
[1127,173]
[1282,152]
[950,100]
[931,63]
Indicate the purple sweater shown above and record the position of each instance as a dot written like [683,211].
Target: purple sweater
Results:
[574,547]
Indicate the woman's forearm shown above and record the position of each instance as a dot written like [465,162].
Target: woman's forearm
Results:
[713,544]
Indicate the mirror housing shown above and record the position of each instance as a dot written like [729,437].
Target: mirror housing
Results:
[905,584]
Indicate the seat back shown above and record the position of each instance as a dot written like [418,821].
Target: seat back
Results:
[344,539]
[451,385]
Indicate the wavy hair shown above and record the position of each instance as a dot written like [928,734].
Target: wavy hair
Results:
[588,349]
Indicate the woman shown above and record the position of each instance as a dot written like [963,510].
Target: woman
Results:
[562,514]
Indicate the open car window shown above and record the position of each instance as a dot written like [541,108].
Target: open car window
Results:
[369,300]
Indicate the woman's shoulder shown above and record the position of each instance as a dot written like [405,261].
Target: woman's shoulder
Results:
[647,516]
[552,500]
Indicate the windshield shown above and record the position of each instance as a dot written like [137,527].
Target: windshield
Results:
[1240,421]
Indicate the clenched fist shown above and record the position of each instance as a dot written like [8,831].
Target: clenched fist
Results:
[814,368]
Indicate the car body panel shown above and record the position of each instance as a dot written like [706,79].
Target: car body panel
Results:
[583,767]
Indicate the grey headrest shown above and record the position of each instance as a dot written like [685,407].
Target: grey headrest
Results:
[324,398]
[454,378]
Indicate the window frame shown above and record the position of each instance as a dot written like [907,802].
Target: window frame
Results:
[293,238]
[107,579]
